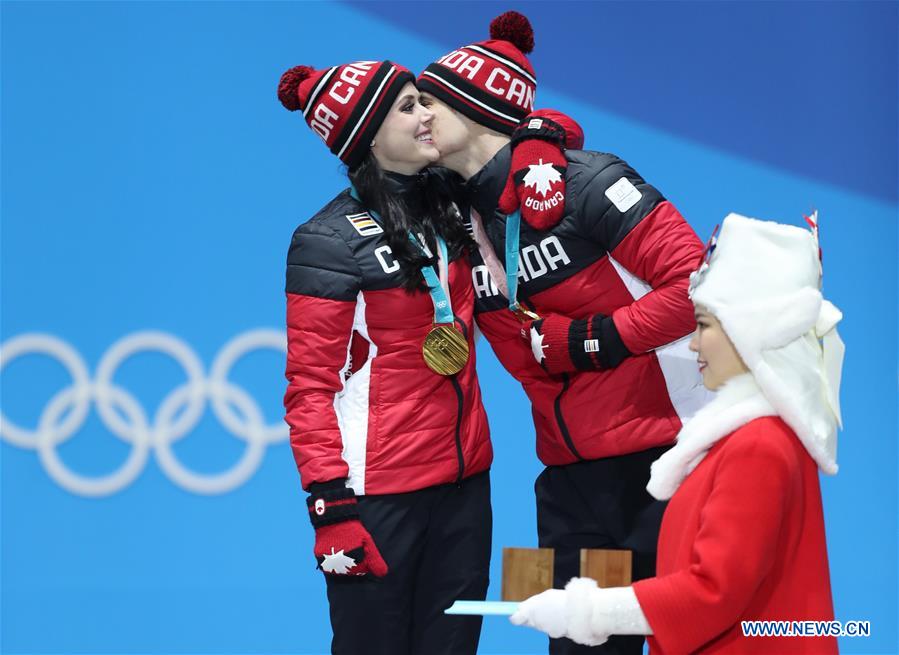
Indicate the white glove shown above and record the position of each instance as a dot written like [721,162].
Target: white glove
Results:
[544,612]
[561,613]
[584,613]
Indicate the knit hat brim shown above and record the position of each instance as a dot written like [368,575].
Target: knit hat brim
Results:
[467,99]
[354,141]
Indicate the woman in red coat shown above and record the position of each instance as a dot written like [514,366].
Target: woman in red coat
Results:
[742,538]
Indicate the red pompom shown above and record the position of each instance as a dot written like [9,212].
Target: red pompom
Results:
[514,28]
[290,82]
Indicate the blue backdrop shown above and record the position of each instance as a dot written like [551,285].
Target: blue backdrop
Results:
[150,185]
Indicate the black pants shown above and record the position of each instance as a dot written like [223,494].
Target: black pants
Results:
[436,543]
[600,503]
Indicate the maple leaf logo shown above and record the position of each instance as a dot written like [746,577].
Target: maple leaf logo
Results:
[537,346]
[337,563]
[542,176]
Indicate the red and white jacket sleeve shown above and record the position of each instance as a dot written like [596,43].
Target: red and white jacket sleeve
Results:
[323,281]
[647,236]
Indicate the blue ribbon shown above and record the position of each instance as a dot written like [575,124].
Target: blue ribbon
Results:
[443,309]
[513,225]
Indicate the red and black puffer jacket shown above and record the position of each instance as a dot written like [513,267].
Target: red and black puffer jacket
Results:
[620,250]
[361,403]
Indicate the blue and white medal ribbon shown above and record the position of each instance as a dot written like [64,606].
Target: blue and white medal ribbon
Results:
[513,227]
[445,348]
[443,309]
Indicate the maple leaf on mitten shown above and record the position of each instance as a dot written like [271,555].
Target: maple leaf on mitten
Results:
[536,182]
[347,548]
[338,562]
[541,177]
[342,544]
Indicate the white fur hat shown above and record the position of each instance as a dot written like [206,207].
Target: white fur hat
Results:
[762,281]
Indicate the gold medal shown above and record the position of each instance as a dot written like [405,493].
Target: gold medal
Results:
[445,349]
[524,315]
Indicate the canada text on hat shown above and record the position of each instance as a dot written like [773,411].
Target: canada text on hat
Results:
[345,105]
[491,82]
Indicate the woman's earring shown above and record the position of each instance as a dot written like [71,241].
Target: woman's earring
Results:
[372,144]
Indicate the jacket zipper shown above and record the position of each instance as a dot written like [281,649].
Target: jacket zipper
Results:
[461,459]
[560,420]
[557,406]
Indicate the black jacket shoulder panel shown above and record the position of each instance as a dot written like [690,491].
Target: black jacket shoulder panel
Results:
[320,261]
[608,196]
[340,251]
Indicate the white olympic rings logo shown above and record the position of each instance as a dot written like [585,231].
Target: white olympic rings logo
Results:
[178,413]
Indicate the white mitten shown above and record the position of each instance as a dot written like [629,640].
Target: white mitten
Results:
[584,613]
[546,612]
[594,614]
[581,596]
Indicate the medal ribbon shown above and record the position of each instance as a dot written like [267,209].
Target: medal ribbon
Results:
[443,309]
[513,227]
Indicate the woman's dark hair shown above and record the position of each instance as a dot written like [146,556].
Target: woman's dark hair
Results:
[427,209]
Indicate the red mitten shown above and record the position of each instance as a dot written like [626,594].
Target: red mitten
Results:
[342,544]
[536,182]
[562,345]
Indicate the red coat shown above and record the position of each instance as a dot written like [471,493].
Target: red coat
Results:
[742,539]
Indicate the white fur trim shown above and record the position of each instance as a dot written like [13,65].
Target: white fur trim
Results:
[804,407]
[594,614]
[579,597]
[738,402]
[764,325]
[616,611]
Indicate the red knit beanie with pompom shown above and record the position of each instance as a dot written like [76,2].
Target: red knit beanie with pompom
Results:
[492,82]
[345,105]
